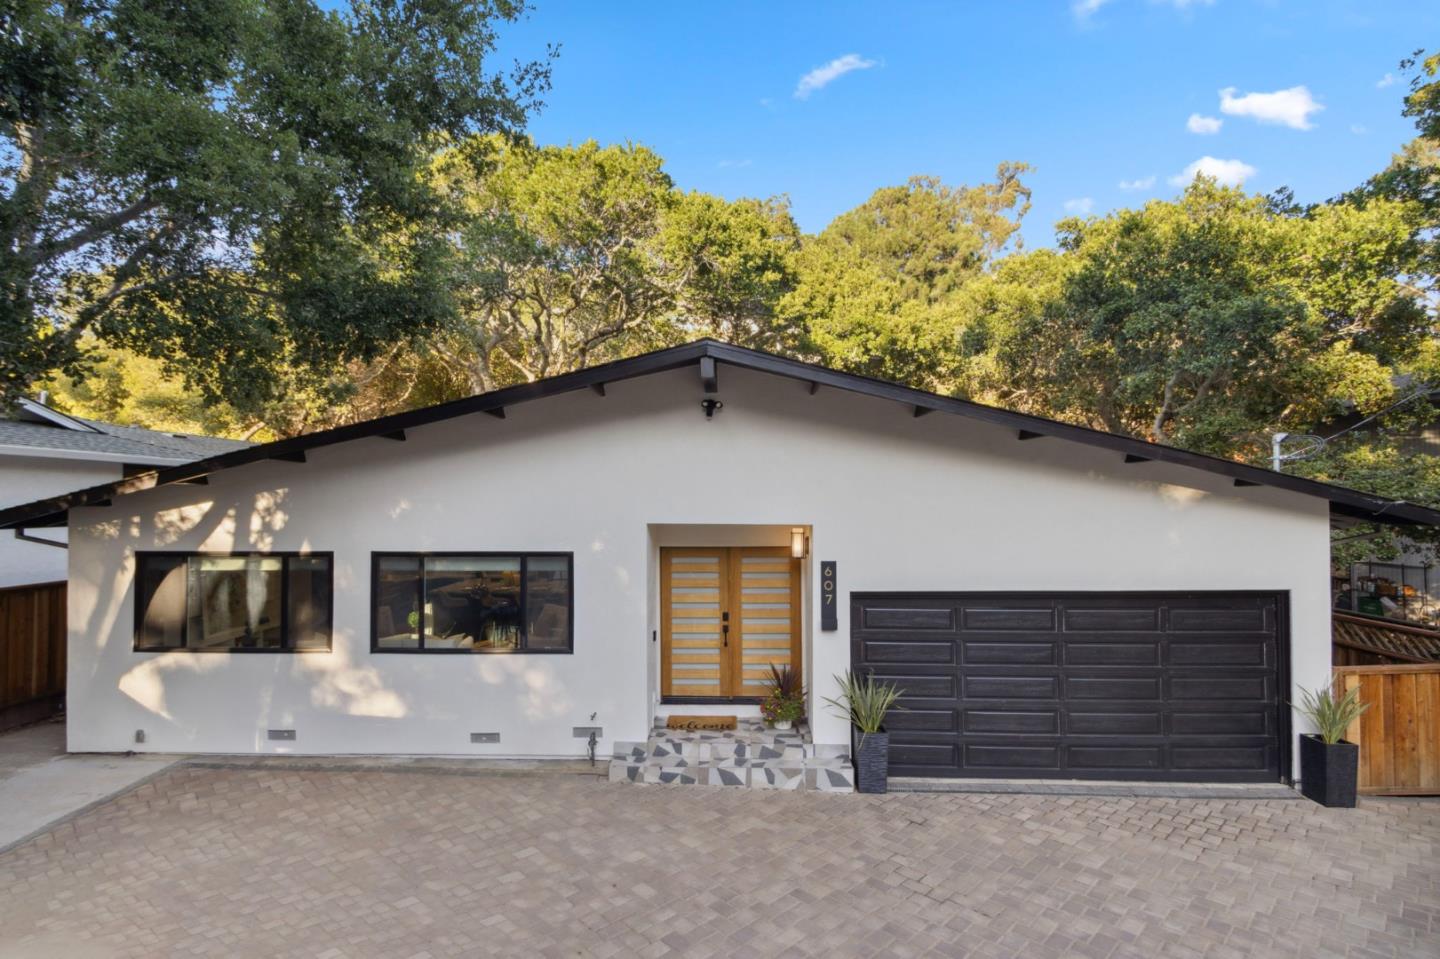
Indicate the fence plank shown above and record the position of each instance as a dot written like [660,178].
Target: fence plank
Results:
[1399,735]
[32,652]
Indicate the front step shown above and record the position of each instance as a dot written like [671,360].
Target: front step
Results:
[752,755]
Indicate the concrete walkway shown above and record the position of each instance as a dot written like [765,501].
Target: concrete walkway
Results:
[41,785]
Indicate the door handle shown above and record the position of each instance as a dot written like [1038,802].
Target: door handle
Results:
[725,629]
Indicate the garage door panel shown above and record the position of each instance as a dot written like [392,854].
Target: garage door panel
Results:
[1114,757]
[921,720]
[1111,689]
[1010,654]
[1011,687]
[1121,723]
[1002,757]
[1202,654]
[918,617]
[1228,758]
[1102,619]
[893,652]
[1218,620]
[998,619]
[1249,688]
[1232,723]
[1122,686]
[1146,653]
[922,756]
[918,686]
[1045,722]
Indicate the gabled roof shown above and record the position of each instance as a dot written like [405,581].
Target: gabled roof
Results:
[37,429]
[1401,641]
[710,357]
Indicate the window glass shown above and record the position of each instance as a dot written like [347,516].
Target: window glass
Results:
[253,601]
[160,591]
[309,597]
[397,612]
[235,602]
[547,602]
[472,602]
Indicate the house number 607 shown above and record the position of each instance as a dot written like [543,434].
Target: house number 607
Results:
[827,597]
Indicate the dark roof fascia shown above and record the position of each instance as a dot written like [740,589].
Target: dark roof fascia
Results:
[1343,501]
[1348,501]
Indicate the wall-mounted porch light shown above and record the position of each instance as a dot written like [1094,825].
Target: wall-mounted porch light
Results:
[798,543]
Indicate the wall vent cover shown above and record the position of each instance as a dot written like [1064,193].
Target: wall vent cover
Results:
[282,733]
[484,737]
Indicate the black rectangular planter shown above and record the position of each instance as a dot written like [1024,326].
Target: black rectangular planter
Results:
[1328,772]
[872,761]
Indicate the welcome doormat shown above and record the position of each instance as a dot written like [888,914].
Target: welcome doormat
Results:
[700,723]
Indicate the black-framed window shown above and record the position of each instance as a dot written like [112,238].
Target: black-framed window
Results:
[234,602]
[472,603]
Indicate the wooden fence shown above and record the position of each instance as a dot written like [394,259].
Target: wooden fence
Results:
[1399,735]
[32,653]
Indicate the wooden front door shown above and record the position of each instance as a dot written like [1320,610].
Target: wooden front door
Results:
[726,614]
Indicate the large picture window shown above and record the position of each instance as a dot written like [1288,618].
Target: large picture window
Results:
[233,602]
[472,602]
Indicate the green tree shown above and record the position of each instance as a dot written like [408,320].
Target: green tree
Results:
[231,185]
[573,255]
[871,288]
[1211,320]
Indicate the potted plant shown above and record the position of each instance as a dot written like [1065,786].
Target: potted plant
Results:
[785,702]
[864,700]
[1329,765]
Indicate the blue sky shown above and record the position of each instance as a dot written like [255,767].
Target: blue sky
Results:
[1091,94]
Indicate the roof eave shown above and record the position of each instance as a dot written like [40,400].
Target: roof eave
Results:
[1343,501]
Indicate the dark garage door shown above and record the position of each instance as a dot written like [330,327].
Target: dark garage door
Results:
[1078,686]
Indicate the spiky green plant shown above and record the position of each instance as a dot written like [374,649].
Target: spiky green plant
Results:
[1330,715]
[864,700]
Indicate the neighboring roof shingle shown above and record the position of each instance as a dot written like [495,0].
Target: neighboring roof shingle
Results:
[1399,640]
[111,440]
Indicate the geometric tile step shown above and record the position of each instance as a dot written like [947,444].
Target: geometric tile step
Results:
[751,755]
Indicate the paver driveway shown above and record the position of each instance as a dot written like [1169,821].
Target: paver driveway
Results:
[334,863]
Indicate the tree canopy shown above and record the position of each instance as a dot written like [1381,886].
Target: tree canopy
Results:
[230,186]
[267,236]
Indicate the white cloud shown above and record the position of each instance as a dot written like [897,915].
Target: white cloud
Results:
[1359,129]
[1084,8]
[821,77]
[1291,108]
[734,164]
[1203,124]
[1386,81]
[1080,206]
[1142,183]
[1227,172]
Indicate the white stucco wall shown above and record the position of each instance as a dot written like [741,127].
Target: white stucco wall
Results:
[24,479]
[936,503]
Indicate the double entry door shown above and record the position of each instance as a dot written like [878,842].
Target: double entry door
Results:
[726,615]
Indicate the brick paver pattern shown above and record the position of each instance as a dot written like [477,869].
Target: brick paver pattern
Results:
[333,863]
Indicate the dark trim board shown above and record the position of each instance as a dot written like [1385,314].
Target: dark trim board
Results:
[1146,686]
[708,355]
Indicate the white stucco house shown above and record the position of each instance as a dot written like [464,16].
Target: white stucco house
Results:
[44,452]
[497,575]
